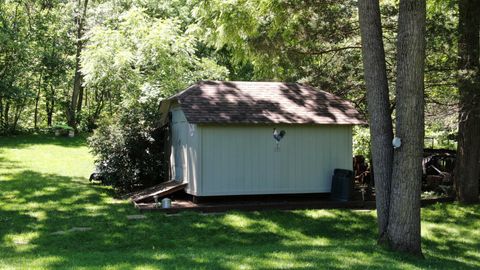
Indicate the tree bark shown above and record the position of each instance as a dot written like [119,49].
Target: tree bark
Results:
[467,171]
[375,74]
[35,114]
[397,183]
[404,218]
[37,99]
[78,79]
[6,121]
[50,105]
[18,113]
[80,99]
[1,114]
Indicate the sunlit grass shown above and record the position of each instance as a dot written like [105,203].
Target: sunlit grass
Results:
[51,217]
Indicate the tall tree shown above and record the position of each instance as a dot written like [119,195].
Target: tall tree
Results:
[78,79]
[467,171]
[404,217]
[399,196]
[381,130]
[16,55]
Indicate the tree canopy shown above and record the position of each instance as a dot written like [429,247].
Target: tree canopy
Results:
[133,49]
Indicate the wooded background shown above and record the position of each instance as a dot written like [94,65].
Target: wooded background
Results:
[77,62]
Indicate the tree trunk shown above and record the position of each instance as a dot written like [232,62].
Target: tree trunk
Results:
[78,79]
[398,185]
[35,114]
[16,117]
[404,218]
[50,105]
[467,171]
[49,115]
[378,106]
[86,99]
[1,114]
[5,115]
[80,99]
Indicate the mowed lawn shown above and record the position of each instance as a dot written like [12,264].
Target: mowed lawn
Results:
[51,217]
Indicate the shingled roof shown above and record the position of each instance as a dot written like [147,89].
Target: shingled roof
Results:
[220,102]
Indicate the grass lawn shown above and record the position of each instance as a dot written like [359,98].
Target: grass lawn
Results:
[44,193]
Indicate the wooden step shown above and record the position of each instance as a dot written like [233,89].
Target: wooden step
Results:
[160,190]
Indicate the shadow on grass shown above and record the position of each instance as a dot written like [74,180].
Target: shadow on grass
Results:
[51,205]
[38,212]
[20,141]
[6,165]
[454,231]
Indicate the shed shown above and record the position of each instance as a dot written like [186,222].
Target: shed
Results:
[223,143]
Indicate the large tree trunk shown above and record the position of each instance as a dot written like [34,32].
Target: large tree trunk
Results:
[404,218]
[378,106]
[398,186]
[78,79]
[467,171]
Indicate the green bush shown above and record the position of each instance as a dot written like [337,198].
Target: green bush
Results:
[361,141]
[130,151]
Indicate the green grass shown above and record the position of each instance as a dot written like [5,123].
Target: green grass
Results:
[44,189]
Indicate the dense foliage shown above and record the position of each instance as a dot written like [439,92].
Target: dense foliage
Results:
[138,60]
[134,154]
[316,42]
[88,63]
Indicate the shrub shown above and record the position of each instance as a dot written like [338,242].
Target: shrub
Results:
[129,151]
[361,141]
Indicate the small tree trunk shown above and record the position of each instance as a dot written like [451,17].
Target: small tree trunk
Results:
[86,99]
[37,100]
[49,117]
[404,219]
[467,171]
[80,99]
[35,114]
[6,122]
[50,105]
[378,106]
[1,113]
[18,113]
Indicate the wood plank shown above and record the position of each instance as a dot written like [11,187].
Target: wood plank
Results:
[178,206]
[159,190]
[182,205]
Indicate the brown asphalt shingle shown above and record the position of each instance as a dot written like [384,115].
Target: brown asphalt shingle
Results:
[263,102]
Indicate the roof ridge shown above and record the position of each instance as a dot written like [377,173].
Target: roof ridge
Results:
[184,93]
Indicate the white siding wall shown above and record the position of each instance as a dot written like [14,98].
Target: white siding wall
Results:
[185,158]
[240,160]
